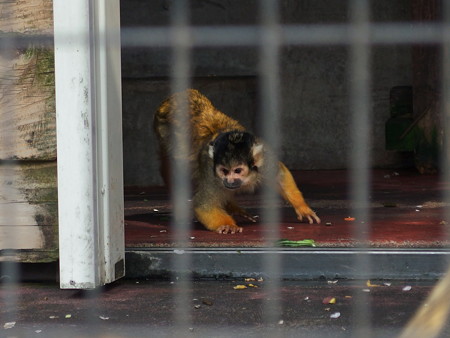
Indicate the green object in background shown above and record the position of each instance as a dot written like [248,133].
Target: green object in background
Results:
[296,244]
[401,129]
[398,137]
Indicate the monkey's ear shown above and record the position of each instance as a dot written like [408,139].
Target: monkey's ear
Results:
[258,154]
[211,149]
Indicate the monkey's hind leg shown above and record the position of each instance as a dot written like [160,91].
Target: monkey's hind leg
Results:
[216,219]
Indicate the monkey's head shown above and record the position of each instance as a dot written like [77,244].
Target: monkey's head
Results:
[237,155]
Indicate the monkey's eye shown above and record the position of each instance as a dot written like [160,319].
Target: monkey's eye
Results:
[225,171]
[237,170]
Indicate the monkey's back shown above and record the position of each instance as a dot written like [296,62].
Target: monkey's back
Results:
[206,122]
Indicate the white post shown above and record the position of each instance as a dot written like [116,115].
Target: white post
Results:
[89,136]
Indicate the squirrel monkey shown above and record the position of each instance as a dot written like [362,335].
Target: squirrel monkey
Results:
[225,159]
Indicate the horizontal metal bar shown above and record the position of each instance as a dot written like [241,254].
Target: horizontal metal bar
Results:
[215,36]
[305,250]
[302,264]
[337,34]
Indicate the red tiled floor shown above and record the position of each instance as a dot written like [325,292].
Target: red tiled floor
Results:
[406,211]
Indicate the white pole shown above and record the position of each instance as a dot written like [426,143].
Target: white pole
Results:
[89,136]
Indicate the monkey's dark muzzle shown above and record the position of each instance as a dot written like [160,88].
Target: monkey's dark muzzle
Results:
[232,185]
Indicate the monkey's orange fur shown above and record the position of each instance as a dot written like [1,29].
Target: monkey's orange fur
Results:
[206,121]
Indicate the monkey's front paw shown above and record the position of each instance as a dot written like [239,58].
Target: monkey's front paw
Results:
[308,214]
[228,229]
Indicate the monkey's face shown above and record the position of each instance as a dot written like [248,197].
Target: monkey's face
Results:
[233,177]
[237,156]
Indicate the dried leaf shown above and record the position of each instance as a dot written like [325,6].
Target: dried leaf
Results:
[240,287]
[207,301]
[370,285]
[329,300]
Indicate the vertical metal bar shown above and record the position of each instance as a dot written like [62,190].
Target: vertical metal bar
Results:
[445,113]
[360,154]
[180,175]
[9,271]
[445,106]
[270,107]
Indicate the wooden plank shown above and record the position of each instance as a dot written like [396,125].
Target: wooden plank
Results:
[28,128]
[26,16]
[29,256]
[27,113]
[28,211]
[21,237]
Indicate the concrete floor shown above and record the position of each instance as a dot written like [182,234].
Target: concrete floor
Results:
[149,308]
[142,308]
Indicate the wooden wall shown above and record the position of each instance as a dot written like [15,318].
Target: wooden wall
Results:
[28,193]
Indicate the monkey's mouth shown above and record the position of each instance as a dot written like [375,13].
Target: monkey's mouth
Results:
[232,185]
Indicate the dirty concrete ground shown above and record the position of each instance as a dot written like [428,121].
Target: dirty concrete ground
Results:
[146,308]
[149,308]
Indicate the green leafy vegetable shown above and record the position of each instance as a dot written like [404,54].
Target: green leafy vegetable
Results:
[296,244]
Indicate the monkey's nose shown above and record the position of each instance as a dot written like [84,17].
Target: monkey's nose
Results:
[234,184]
